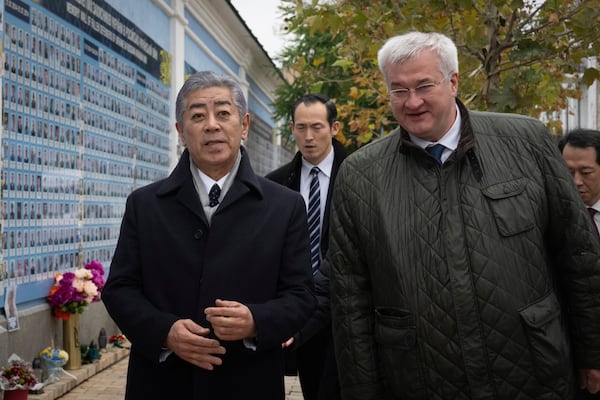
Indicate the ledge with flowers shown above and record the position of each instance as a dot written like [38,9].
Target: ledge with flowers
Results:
[111,355]
[69,296]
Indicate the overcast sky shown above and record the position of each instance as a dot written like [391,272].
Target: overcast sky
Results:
[264,20]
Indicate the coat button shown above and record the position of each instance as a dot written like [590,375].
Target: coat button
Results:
[198,234]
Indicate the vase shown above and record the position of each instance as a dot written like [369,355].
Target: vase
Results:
[52,370]
[18,394]
[71,342]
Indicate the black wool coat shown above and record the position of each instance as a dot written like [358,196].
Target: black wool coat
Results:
[170,264]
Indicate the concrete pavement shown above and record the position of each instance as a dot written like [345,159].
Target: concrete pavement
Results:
[105,380]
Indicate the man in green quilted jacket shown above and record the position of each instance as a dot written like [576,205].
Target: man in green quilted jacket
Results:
[463,263]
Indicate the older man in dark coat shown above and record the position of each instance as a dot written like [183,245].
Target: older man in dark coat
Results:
[211,272]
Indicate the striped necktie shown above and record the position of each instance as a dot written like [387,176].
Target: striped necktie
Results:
[314,219]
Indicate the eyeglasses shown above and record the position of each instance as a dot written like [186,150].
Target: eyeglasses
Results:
[421,91]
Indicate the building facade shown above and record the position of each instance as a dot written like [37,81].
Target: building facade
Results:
[583,112]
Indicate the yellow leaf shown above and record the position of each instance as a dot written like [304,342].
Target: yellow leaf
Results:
[318,61]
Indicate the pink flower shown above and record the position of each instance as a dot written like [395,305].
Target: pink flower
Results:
[72,291]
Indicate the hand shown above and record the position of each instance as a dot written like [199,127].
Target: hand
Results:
[188,340]
[287,343]
[231,320]
[590,380]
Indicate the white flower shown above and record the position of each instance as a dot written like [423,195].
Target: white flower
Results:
[90,291]
[83,273]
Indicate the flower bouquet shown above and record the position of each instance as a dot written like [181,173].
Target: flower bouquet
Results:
[53,359]
[73,291]
[18,375]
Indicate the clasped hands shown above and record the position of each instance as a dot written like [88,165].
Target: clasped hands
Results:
[230,320]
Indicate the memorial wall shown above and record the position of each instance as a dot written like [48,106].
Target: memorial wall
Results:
[85,120]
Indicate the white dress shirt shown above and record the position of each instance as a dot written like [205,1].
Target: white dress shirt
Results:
[449,140]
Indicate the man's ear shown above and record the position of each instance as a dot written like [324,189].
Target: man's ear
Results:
[245,126]
[180,133]
[454,82]
[335,128]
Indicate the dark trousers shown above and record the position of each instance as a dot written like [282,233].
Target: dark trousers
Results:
[317,368]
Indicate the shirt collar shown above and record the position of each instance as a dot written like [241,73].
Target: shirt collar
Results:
[596,206]
[208,182]
[326,166]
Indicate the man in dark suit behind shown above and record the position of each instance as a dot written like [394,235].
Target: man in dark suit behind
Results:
[314,126]
[581,150]
[211,272]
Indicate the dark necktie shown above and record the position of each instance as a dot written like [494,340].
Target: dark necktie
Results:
[592,213]
[436,152]
[314,219]
[213,195]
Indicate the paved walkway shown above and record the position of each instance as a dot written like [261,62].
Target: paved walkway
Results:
[109,384]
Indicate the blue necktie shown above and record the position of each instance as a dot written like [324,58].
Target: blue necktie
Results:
[436,152]
[314,219]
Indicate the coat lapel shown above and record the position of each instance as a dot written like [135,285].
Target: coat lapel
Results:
[244,183]
[181,184]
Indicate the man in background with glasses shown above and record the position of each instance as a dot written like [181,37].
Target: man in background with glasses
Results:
[463,265]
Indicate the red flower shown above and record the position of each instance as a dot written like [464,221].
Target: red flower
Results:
[17,375]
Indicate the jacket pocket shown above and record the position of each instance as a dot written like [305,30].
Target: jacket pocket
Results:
[396,336]
[547,340]
[510,206]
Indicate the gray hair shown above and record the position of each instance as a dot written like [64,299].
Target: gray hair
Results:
[402,48]
[207,79]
